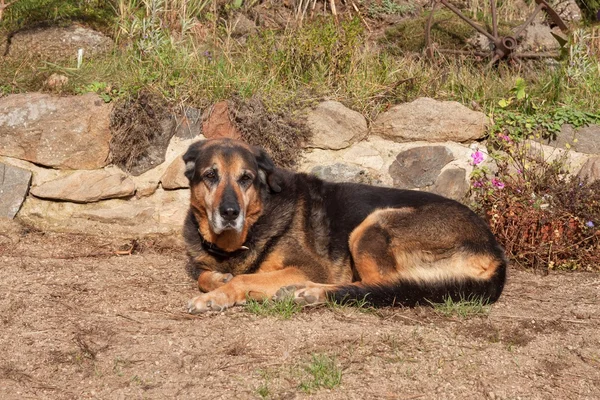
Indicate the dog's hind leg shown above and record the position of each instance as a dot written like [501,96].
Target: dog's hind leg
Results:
[407,256]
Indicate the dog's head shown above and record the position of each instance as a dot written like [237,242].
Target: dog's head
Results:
[227,179]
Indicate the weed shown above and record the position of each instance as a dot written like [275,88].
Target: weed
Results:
[263,389]
[106,92]
[519,116]
[361,305]
[389,7]
[28,13]
[464,308]
[323,372]
[283,309]
[137,124]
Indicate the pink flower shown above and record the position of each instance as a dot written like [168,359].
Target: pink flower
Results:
[506,138]
[498,184]
[477,157]
[477,184]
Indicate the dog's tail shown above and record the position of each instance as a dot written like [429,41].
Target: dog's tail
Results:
[410,293]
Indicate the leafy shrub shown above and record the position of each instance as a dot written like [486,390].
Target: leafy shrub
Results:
[544,217]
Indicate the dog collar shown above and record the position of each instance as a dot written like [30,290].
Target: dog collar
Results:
[215,250]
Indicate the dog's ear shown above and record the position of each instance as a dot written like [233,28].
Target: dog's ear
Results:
[190,157]
[267,170]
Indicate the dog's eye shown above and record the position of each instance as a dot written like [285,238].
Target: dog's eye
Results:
[246,178]
[210,175]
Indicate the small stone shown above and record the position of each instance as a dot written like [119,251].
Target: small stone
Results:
[56,81]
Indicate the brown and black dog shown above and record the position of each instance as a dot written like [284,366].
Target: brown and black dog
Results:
[257,231]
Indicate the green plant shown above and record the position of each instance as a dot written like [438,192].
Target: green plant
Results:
[324,372]
[283,309]
[361,305]
[545,124]
[464,307]
[263,389]
[25,13]
[389,7]
[106,92]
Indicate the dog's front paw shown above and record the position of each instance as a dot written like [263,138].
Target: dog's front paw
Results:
[286,292]
[212,301]
[302,294]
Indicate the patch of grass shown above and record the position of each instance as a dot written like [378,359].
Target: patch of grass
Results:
[323,372]
[464,308]
[283,309]
[263,389]
[447,30]
[361,305]
[100,14]
[389,7]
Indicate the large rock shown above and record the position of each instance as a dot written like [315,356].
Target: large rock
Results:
[432,121]
[60,132]
[14,183]
[452,183]
[419,167]
[590,171]
[583,140]
[59,42]
[163,212]
[334,126]
[538,37]
[87,186]
[570,159]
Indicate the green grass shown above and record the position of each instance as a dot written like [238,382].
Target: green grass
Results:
[283,309]
[293,67]
[322,372]
[361,305]
[99,14]
[263,390]
[464,308]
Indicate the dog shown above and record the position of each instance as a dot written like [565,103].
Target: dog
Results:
[260,232]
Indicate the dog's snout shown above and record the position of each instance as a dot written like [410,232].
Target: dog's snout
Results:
[229,208]
[229,213]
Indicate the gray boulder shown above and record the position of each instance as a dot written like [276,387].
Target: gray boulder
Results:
[419,167]
[14,183]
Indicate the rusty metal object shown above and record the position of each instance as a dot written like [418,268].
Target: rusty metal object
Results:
[504,47]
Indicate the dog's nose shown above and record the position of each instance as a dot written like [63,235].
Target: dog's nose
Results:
[229,213]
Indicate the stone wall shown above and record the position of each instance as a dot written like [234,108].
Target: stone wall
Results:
[54,171]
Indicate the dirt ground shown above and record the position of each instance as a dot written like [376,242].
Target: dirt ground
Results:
[79,321]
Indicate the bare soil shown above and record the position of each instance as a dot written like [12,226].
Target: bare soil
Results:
[79,321]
